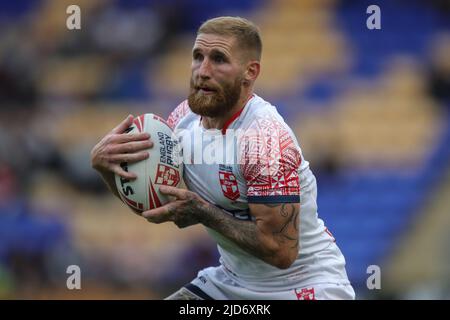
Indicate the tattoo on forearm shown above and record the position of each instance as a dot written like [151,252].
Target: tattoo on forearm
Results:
[246,233]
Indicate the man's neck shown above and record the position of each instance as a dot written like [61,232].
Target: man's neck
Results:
[219,122]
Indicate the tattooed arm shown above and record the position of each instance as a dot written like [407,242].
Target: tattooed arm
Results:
[272,237]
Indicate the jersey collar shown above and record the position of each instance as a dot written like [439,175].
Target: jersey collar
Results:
[235,116]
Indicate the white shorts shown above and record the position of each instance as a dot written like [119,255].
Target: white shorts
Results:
[213,283]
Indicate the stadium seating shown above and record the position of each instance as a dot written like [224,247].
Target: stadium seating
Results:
[358,100]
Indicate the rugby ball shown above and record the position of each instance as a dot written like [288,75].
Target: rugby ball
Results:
[163,167]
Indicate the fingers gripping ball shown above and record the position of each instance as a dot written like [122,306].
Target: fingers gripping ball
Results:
[163,167]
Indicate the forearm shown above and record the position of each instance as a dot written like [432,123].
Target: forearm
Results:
[273,236]
[246,234]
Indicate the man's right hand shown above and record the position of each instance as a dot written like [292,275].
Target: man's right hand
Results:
[117,147]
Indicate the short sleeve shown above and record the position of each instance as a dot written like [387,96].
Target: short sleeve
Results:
[180,111]
[269,162]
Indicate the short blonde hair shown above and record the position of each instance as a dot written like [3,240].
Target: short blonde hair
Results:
[244,31]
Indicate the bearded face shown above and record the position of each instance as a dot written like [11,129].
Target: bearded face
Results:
[208,100]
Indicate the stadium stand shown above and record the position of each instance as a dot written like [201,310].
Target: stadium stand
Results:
[370,108]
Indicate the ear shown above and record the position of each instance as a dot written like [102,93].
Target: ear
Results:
[252,71]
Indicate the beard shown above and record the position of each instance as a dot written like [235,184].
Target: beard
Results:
[217,103]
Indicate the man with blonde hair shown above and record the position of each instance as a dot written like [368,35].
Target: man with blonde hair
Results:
[260,206]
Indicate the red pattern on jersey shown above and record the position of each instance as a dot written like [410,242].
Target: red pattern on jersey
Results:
[305,294]
[270,160]
[180,111]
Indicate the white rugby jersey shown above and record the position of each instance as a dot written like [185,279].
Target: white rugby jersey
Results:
[256,158]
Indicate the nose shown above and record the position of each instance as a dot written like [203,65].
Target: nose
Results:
[204,71]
